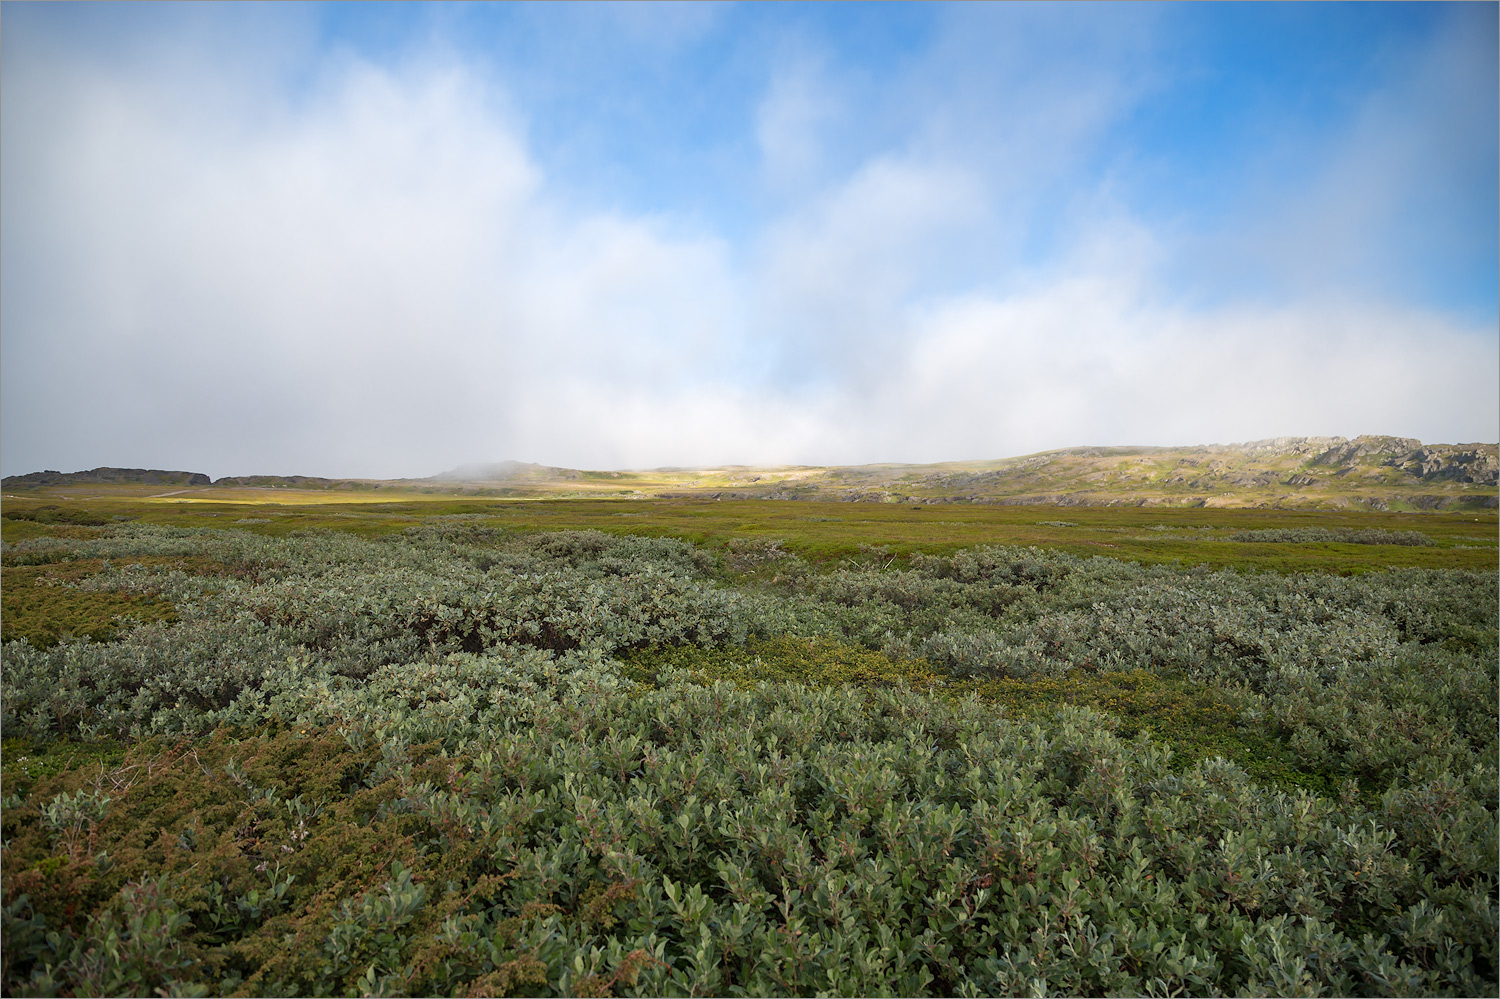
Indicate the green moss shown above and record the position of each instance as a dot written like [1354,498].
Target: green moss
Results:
[37,604]
[812,661]
[1195,720]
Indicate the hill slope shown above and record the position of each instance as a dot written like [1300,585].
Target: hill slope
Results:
[1381,473]
[1371,473]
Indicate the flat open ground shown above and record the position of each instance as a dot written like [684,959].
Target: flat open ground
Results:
[820,531]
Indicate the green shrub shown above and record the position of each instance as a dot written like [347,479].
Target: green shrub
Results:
[1333,535]
[462,760]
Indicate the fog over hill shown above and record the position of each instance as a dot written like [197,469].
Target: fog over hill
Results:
[1367,472]
[505,471]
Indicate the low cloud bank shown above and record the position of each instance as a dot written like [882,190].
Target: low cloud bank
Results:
[376,277]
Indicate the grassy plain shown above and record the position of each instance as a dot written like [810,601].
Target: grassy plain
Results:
[829,533]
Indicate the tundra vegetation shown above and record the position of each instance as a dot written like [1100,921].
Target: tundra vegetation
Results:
[736,748]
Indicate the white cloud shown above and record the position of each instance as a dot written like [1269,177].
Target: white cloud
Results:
[1094,359]
[832,277]
[378,283]
[370,274]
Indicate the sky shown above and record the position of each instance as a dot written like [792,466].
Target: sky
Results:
[386,240]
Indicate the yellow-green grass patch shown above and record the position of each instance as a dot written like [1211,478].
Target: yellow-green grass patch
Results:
[830,533]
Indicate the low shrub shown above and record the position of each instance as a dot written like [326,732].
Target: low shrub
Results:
[463,760]
[1333,535]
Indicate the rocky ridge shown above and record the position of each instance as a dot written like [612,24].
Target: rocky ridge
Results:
[106,475]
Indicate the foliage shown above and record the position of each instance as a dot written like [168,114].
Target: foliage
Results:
[52,513]
[44,604]
[1338,535]
[826,533]
[460,759]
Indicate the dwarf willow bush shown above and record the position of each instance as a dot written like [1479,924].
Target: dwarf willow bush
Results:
[1337,535]
[440,762]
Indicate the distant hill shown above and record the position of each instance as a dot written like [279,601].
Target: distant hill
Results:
[98,476]
[158,477]
[296,482]
[1381,473]
[1373,473]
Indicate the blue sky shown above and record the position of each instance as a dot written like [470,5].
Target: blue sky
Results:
[386,239]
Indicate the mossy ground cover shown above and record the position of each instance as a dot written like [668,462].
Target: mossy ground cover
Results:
[45,603]
[454,750]
[37,604]
[245,828]
[1197,721]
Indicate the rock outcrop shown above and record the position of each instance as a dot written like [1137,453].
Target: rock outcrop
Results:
[111,476]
